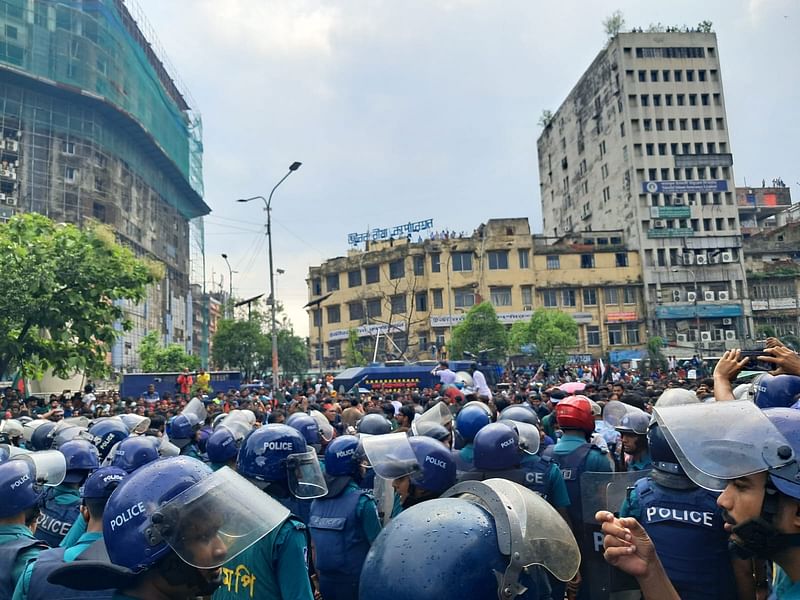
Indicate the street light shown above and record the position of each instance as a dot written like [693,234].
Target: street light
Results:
[696,314]
[230,285]
[267,206]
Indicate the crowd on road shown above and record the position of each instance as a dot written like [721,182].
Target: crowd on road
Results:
[582,483]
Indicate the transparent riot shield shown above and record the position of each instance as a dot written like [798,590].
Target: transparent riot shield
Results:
[602,491]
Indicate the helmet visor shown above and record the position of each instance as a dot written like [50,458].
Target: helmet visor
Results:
[216,519]
[438,414]
[390,455]
[306,480]
[195,411]
[238,424]
[325,427]
[529,437]
[136,423]
[719,441]
[615,411]
[49,467]
[483,406]
[30,427]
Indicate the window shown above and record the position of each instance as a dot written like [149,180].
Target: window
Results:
[398,304]
[500,296]
[656,99]
[423,341]
[438,302]
[524,258]
[99,211]
[629,295]
[374,307]
[332,281]
[354,278]
[644,99]
[421,301]
[632,333]
[647,124]
[589,297]
[11,32]
[436,262]
[592,335]
[704,99]
[68,147]
[462,261]
[317,316]
[615,335]
[689,74]
[604,171]
[650,149]
[372,274]
[568,297]
[587,261]
[356,310]
[681,98]
[464,298]
[701,75]
[692,99]
[678,75]
[612,295]
[527,295]
[642,75]
[419,265]
[316,286]
[70,174]
[622,259]
[498,260]
[334,314]
[549,298]
[553,262]
[696,124]
[397,269]
[606,194]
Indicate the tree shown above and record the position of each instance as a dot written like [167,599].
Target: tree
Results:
[552,332]
[546,118]
[655,353]
[352,353]
[705,26]
[60,303]
[613,24]
[241,345]
[155,358]
[292,353]
[480,330]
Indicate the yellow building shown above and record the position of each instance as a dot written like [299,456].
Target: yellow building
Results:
[405,296]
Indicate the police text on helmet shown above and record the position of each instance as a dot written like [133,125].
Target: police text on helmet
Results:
[20,481]
[278,446]
[436,461]
[125,516]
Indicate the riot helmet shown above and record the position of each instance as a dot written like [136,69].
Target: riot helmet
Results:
[374,424]
[775,391]
[471,418]
[342,456]
[22,479]
[40,438]
[107,433]
[519,413]
[135,452]
[81,457]
[10,432]
[497,448]
[307,426]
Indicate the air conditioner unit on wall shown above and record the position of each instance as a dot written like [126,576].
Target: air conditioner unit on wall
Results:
[708,296]
[701,259]
[723,296]
[730,334]
[659,224]
[11,200]
[727,321]
[705,336]
[727,257]
[682,338]
[676,295]
[691,296]
[2,197]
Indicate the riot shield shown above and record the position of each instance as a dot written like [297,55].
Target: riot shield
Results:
[384,498]
[602,491]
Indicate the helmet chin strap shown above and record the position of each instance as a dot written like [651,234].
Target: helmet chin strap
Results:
[759,538]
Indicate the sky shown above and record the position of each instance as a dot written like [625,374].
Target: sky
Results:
[422,109]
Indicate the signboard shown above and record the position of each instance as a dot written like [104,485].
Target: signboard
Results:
[621,316]
[581,359]
[670,212]
[368,330]
[398,231]
[448,320]
[703,160]
[703,311]
[685,187]
[668,233]
[581,318]
[782,303]
[759,305]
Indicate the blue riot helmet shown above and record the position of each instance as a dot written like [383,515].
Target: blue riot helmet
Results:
[107,433]
[499,529]
[40,437]
[10,432]
[221,446]
[497,448]
[775,391]
[181,428]
[81,457]
[307,426]
[787,422]
[343,458]
[635,423]
[277,453]
[435,431]
[374,424]
[102,483]
[520,413]
[661,455]
[135,451]
[134,423]
[67,434]
[22,479]
[470,419]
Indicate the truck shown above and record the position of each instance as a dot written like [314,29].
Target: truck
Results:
[398,376]
[135,384]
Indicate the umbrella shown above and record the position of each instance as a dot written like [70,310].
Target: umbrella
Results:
[572,386]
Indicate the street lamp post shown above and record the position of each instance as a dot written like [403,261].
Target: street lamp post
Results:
[230,286]
[267,206]
[696,313]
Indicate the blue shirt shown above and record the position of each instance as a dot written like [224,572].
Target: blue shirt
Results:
[784,588]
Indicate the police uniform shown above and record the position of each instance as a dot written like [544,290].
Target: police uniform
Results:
[543,476]
[343,528]
[274,567]
[33,584]
[61,509]
[644,463]
[465,457]
[18,547]
[686,527]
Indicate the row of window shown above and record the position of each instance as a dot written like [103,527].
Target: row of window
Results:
[672,75]
[569,297]
[587,261]
[697,124]
[618,335]
[459,261]
[704,99]
[678,149]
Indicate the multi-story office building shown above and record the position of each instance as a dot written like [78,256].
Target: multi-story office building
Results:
[406,297]
[94,126]
[641,143]
[760,208]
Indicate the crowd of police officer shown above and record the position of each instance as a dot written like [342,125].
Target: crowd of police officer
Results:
[695,499]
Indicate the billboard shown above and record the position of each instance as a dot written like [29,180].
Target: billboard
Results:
[684,187]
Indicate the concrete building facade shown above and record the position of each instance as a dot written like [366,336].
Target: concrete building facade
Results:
[94,126]
[641,143]
[405,297]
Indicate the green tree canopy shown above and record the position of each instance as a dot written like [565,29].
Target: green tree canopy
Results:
[240,345]
[655,353]
[554,333]
[480,330]
[353,357]
[292,353]
[60,303]
[155,358]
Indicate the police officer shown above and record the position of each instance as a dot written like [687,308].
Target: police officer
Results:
[633,429]
[11,432]
[135,451]
[21,481]
[275,458]
[308,427]
[168,529]
[469,420]
[488,535]
[230,430]
[182,429]
[344,523]
[107,433]
[61,505]
[374,424]
[33,584]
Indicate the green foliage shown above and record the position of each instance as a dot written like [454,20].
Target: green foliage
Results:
[613,23]
[155,358]
[705,26]
[61,294]
[546,118]
[766,331]
[292,353]
[480,330]
[655,352]
[240,345]
[352,354]
[554,333]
